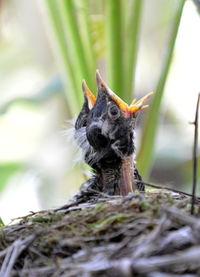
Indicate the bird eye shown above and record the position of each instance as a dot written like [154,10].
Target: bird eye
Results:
[113,112]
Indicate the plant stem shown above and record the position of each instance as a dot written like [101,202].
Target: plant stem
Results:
[69,14]
[132,37]
[195,155]
[64,57]
[114,45]
[151,122]
[85,30]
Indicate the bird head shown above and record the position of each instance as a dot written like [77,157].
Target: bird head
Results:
[108,125]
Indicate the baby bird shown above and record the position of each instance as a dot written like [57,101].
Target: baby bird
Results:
[104,130]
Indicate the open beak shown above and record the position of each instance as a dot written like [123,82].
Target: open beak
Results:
[139,105]
[135,106]
[88,94]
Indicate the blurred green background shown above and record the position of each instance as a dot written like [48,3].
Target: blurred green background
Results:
[46,49]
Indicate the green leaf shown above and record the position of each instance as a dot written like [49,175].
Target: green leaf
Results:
[71,78]
[69,16]
[151,123]
[1,223]
[114,46]
[85,29]
[132,41]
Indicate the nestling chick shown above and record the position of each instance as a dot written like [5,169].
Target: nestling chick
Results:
[104,130]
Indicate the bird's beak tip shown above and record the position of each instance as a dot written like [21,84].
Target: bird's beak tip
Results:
[139,105]
[84,86]
[88,94]
[99,80]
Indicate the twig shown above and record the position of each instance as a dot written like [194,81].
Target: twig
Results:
[177,261]
[146,245]
[13,252]
[29,215]
[80,203]
[86,197]
[195,161]
[167,188]
[182,217]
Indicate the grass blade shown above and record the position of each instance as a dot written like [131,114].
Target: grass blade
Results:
[114,45]
[85,31]
[69,14]
[132,37]
[151,123]
[68,69]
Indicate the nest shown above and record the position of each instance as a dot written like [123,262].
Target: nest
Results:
[149,235]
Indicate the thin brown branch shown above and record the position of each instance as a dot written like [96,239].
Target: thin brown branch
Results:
[168,188]
[13,252]
[195,158]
